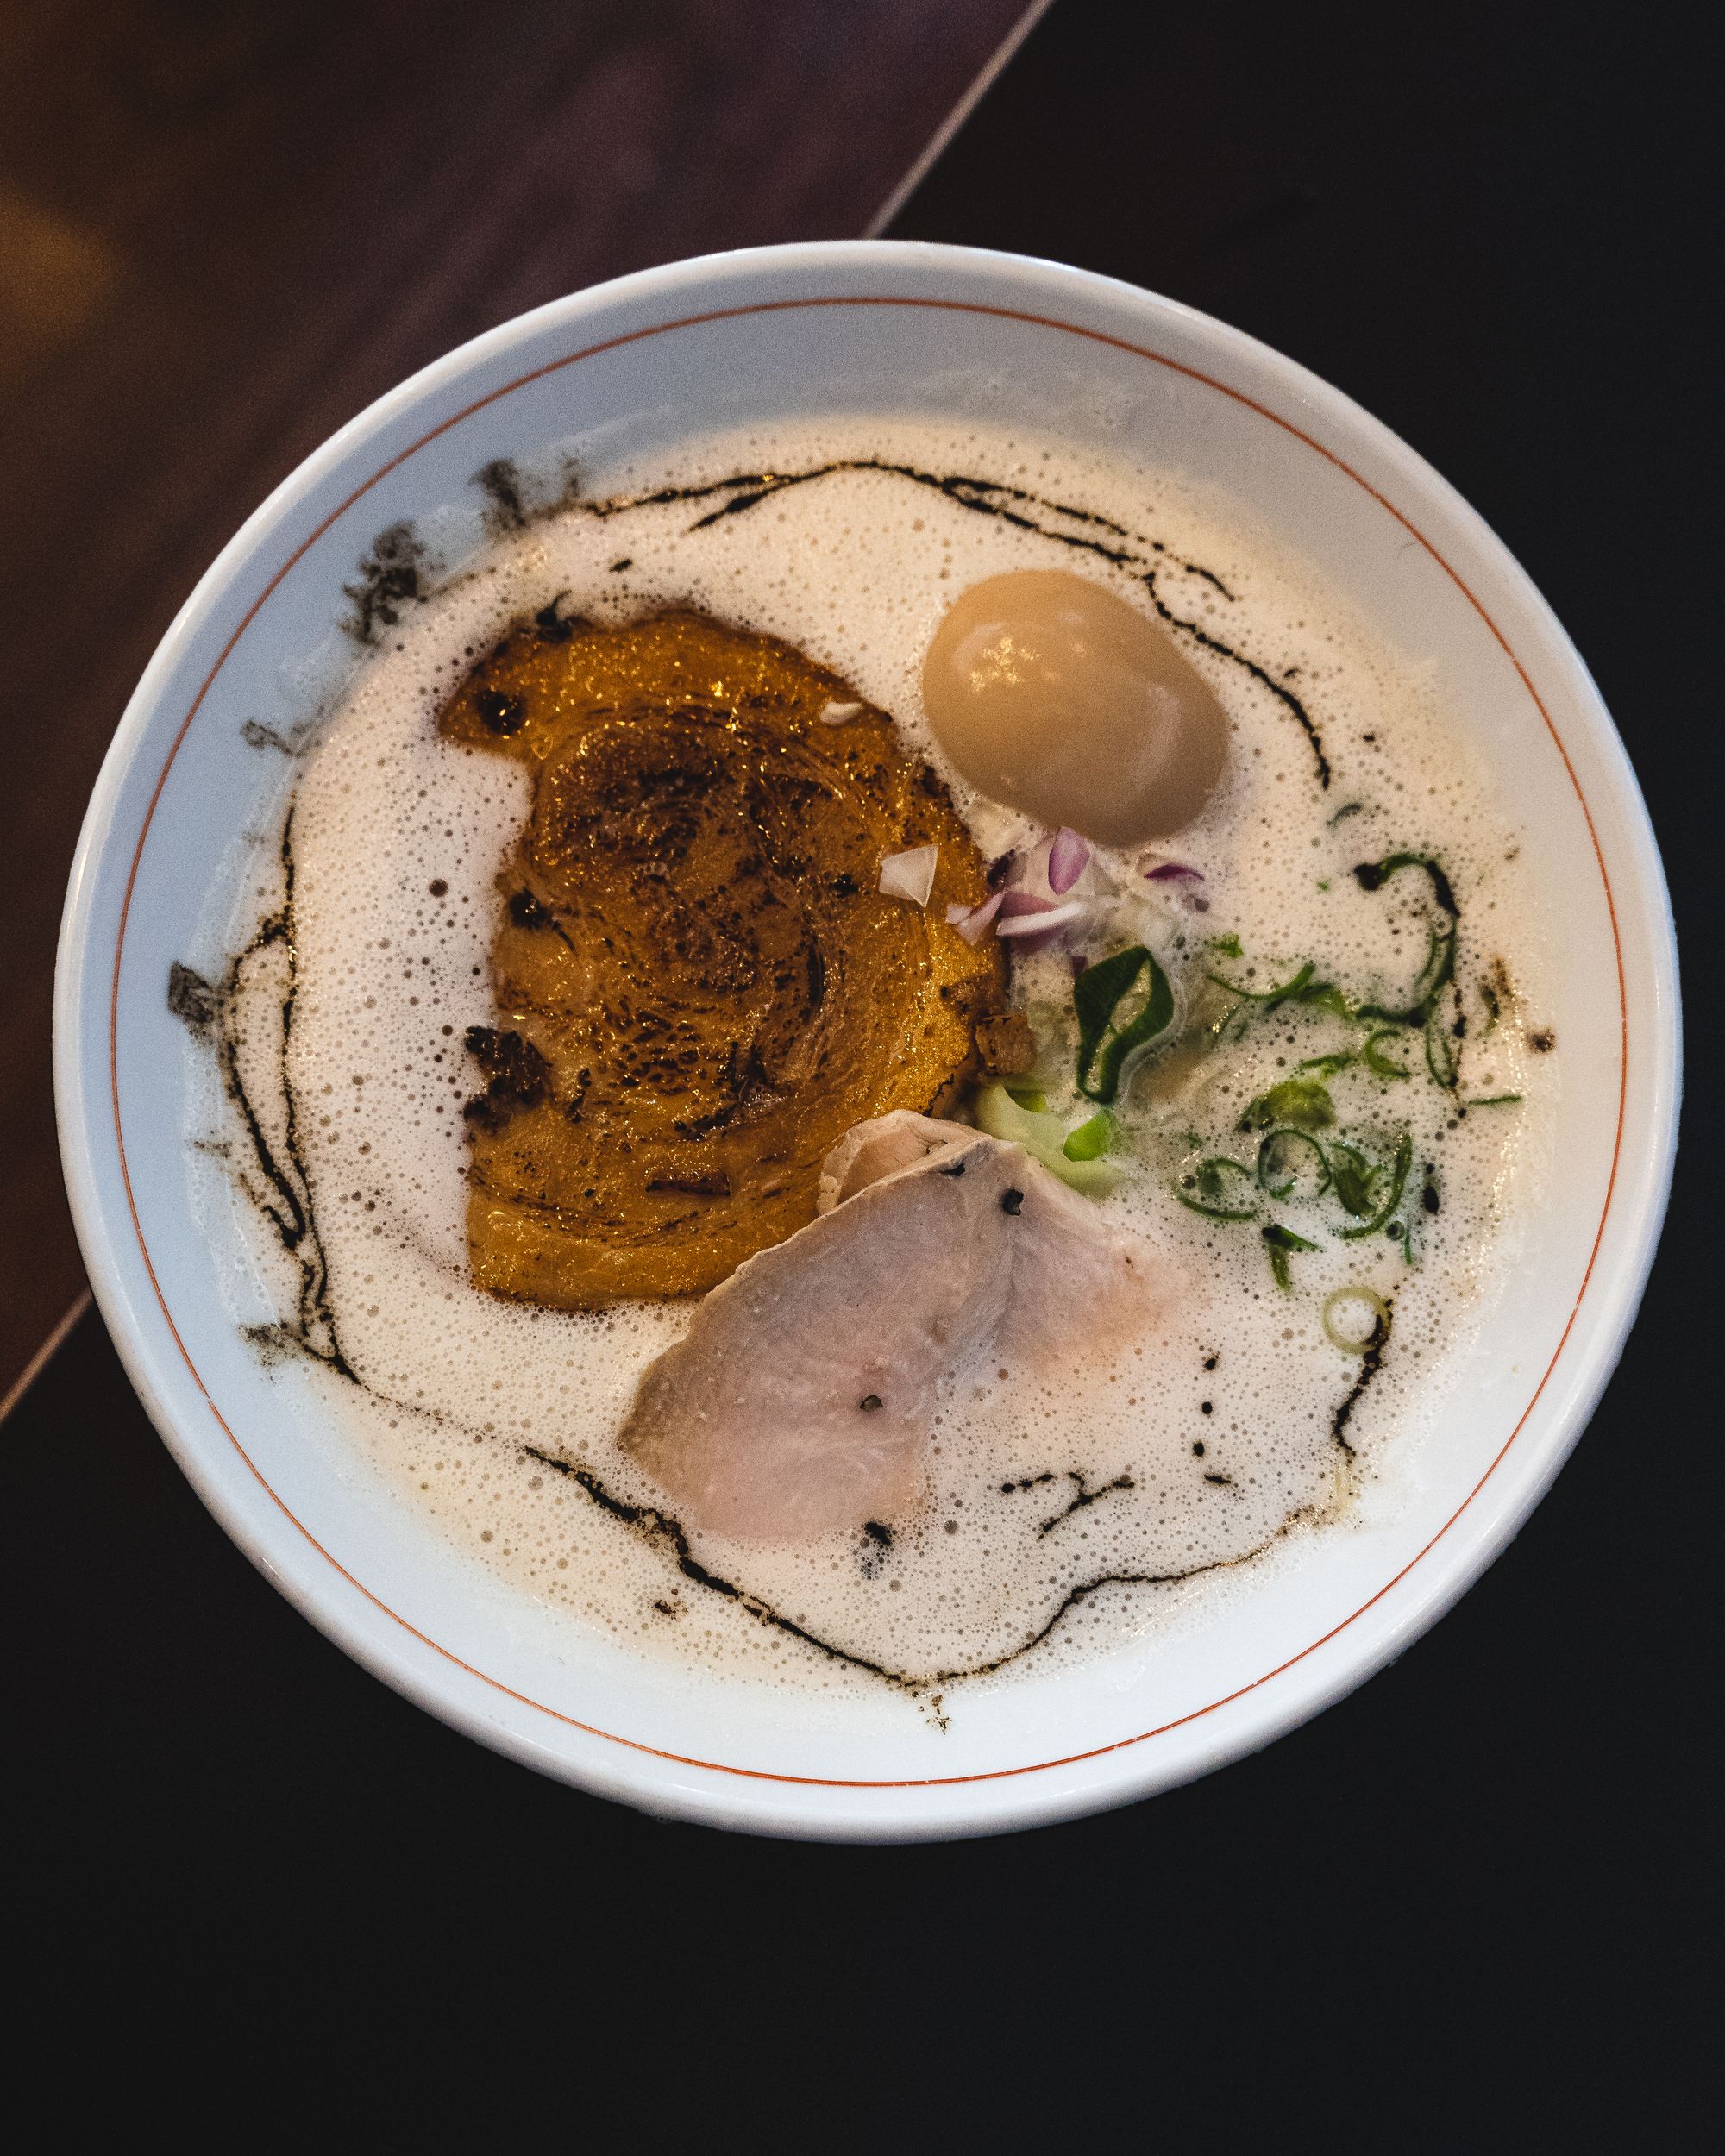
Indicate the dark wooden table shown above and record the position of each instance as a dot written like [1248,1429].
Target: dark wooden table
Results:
[227,227]
[1461,1911]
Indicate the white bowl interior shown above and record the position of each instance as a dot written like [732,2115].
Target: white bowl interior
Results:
[856,328]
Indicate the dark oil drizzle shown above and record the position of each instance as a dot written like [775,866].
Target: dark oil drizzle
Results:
[876,1543]
[1370,1363]
[285,1200]
[256,735]
[1085,1495]
[289,1208]
[663,1532]
[501,483]
[288,1205]
[1011,505]
[397,572]
[191,999]
[515,499]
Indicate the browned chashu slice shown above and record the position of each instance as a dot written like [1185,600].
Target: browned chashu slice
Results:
[798,1402]
[699,983]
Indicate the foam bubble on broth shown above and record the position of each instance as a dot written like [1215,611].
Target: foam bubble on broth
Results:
[1195,1452]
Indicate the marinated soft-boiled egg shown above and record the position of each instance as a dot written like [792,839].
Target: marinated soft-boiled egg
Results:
[1054,696]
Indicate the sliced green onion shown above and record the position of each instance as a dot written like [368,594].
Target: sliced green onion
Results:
[1374,1302]
[1324,995]
[1277,1162]
[1301,1101]
[1495,1100]
[1439,969]
[1090,1178]
[1279,1241]
[1398,1177]
[1228,945]
[1374,1060]
[1300,987]
[1044,1138]
[1212,1201]
[1353,1175]
[1372,874]
[1326,1066]
[1441,1055]
[1092,1139]
[1269,997]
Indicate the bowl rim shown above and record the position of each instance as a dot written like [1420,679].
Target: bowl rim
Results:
[1602,1336]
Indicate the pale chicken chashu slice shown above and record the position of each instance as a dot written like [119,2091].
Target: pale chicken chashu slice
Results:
[799,1402]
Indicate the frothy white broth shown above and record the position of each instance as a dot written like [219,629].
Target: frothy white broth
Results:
[1243,1435]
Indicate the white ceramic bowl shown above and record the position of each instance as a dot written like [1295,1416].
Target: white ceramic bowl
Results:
[859,326]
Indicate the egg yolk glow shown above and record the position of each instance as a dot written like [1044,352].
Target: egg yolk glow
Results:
[1055,696]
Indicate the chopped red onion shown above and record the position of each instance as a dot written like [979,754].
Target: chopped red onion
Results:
[1040,920]
[1016,900]
[909,875]
[972,921]
[1069,856]
[1036,908]
[1188,881]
